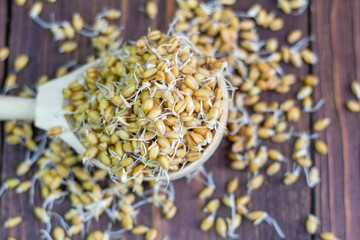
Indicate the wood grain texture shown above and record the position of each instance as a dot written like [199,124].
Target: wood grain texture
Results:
[3,42]
[3,33]
[336,26]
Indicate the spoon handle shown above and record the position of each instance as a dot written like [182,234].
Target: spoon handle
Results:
[12,108]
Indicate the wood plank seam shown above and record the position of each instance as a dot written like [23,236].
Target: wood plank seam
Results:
[312,149]
[5,73]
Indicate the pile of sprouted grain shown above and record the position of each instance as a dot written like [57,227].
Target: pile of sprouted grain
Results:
[229,36]
[149,109]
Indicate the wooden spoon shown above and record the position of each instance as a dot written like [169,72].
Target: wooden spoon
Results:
[47,111]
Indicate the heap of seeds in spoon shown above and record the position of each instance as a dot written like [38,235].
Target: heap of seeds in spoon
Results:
[150,108]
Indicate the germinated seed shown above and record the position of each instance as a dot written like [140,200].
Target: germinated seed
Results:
[232,185]
[256,182]
[311,80]
[312,224]
[35,9]
[273,169]
[355,88]
[353,106]
[151,234]
[58,233]
[77,21]
[54,131]
[228,2]
[112,13]
[20,3]
[212,206]
[151,9]
[12,222]
[207,223]
[139,230]
[20,62]
[314,177]
[68,47]
[4,53]
[321,147]
[10,81]
[206,192]
[328,236]
[294,36]
[290,178]
[321,124]
[221,227]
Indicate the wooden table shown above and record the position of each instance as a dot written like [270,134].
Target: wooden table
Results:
[335,24]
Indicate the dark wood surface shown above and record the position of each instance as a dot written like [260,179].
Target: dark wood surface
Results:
[335,24]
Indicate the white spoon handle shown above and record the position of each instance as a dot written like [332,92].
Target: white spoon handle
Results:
[17,108]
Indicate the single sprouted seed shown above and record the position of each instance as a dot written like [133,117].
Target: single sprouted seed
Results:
[355,88]
[20,62]
[4,53]
[12,222]
[312,224]
[151,9]
[258,217]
